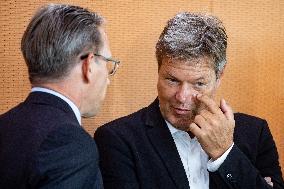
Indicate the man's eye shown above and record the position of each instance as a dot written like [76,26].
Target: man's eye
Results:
[200,84]
[172,80]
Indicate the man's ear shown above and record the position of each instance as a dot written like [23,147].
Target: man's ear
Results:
[87,68]
[221,74]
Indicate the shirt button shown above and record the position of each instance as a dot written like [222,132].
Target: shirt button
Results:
[194,180]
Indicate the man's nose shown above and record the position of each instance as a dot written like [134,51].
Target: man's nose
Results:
[185,93]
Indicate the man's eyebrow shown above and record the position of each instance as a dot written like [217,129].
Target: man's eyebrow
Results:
[200,78]
[169,74]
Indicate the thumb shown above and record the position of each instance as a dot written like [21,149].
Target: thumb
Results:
[227,110]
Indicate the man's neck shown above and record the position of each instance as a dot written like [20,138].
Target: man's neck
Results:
[64,90]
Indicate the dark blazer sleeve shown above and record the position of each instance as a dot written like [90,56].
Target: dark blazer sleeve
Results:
[241,170]
[67,158]
[115,157]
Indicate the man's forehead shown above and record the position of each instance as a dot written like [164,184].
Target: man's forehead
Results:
[105,49]
[193,62]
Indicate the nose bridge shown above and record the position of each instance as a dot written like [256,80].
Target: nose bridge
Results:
[184,92]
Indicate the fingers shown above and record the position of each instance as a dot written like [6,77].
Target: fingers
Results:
[227,110]
[215,109]
[213,126]
[200,120]
[193,127]
[208,102]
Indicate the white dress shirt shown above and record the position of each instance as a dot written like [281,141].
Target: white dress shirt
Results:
[68,101]
[194,159]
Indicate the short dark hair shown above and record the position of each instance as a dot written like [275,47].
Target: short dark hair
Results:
[55,37]
[189,36]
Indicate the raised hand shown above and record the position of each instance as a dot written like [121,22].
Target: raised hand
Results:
[213,126]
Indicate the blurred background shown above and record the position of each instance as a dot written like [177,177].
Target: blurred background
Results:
[254,77]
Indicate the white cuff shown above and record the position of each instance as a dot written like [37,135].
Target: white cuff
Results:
[213,166]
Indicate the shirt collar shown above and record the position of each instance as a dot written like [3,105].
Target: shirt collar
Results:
[172,129]
[177,132]
[68,101]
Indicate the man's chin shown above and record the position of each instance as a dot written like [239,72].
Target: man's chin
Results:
[182,124]
[90,114]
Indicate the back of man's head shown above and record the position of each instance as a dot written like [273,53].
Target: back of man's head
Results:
[55,39]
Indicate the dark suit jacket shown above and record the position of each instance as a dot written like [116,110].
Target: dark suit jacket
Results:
[42,145]
[138,151]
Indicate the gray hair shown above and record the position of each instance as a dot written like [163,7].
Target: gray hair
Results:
[189,36]
[55,37]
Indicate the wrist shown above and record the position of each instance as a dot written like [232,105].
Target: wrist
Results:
[220,152]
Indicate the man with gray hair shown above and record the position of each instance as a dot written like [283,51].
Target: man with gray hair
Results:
[185,139]
[42,142]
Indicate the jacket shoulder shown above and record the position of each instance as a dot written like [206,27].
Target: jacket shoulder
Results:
[250,128]
[134,119]
[249,120]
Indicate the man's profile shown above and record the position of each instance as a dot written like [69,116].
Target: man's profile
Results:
[42,142]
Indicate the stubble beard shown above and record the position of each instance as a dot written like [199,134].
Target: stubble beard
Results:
[183,122]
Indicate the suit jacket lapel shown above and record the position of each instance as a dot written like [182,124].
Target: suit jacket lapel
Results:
[161,138]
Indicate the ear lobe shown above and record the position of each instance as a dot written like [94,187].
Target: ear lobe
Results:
[86,68]
[220,75]
[218,82]
[85,71]
[222,72]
